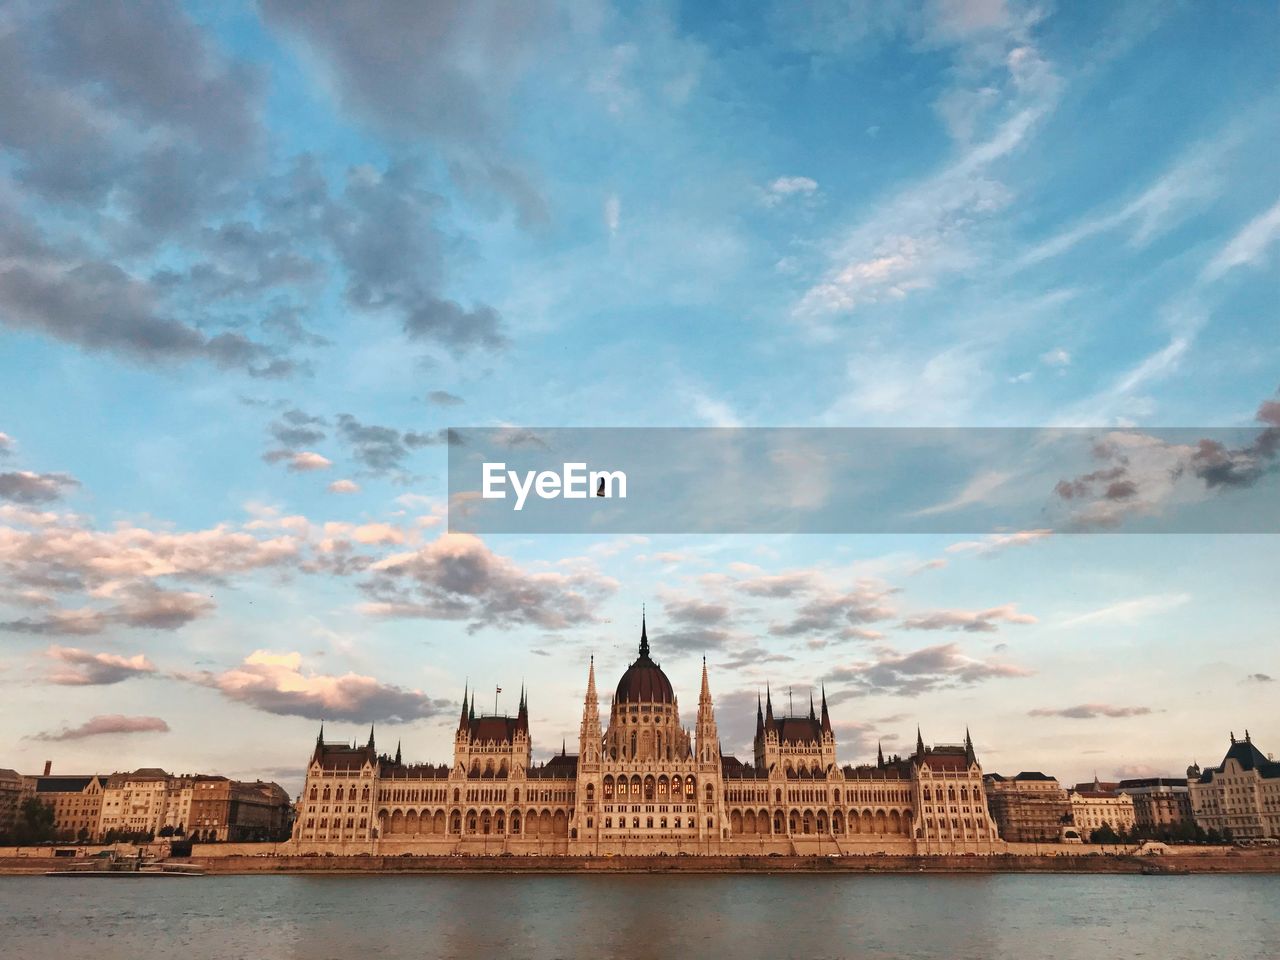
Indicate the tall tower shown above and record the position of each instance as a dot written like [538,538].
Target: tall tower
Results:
[707,738]
[590,738]
[585,824]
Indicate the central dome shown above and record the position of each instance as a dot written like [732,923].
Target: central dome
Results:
[644,681]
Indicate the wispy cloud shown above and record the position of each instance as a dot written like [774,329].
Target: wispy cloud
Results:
[1090,711]
[1247,247]
[1130,611]
[111,724]
[970,621]
[79,668]
[921,671]
[277,683]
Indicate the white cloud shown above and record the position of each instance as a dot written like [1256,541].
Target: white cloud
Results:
[106,725]
[1248,246]
[1189,185]
[612,214]
[784,188]
[277,683]
[970,621]
[977,490]
[1130,611]
[998,541]
[83,668]
[344,486]
[457,577]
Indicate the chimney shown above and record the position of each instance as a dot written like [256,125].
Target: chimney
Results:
[48,765]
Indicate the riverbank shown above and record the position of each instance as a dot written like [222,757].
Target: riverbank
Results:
[1201,862]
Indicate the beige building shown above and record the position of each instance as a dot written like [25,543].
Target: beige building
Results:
[1240,795]
[1031,806]
[641,783]
[76,802]
[1160,804]
[222,809]
[145,801]
[12,791]
[1098,803]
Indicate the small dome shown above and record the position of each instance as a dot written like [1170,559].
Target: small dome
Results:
[644,681]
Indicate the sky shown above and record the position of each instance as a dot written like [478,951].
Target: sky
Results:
[256,259]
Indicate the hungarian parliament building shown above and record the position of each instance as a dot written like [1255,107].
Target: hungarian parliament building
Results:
[643,785]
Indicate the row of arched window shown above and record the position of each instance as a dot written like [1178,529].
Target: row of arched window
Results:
[337,796]
[657,788]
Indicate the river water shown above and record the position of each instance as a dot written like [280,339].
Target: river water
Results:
[624,917]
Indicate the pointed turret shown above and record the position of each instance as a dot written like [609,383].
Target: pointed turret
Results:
[370,743]
[522,715]
[919,742]
[879,754]
[768,706]
[644,635]
[590,739]
[812,715]
[320,735]
[398,760]
[462,721]
[759,716]
[826,717]
[708,738]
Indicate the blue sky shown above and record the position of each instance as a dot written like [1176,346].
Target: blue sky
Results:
[253,258]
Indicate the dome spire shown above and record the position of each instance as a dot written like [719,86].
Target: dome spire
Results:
[644,634]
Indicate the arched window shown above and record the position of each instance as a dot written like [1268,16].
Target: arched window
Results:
[591,792]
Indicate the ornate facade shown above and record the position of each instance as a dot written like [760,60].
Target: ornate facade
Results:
[1029,807]
[643,784]
[1241,795]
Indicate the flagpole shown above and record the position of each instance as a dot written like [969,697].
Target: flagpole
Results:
[496,691]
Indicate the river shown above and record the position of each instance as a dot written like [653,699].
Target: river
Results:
[623,917]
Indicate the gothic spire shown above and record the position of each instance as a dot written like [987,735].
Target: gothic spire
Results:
[919,742]
[768,705]
[812,715]
[969,755]
[398,760]
[826,717]
[644,634]
[879,754]
[462,721]
[370,744]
